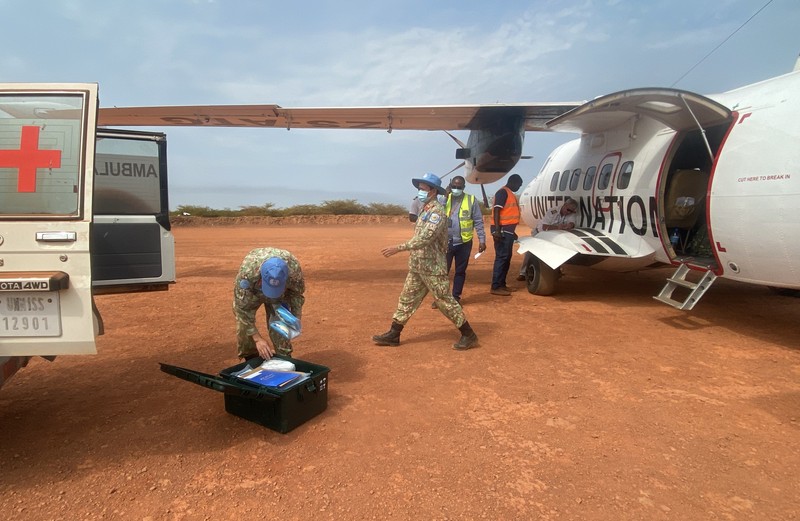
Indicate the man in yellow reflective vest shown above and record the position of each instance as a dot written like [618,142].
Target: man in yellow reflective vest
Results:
[465,220]
[505,218]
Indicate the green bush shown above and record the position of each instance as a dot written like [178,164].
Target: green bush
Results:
[386,209]
[337,207]
[265,209]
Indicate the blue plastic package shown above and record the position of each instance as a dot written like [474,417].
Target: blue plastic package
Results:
[285,323]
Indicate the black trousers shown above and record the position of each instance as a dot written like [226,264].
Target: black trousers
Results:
[460,253]
[503,249]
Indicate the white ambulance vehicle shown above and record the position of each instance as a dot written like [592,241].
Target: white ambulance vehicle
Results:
[83,211]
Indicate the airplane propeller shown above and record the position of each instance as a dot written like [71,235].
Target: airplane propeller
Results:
[463,148]
[458,141]
[483,190]
[460,165]
[464,152]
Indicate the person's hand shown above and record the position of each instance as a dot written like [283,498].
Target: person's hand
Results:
[264,349]
[391,250]
[481,247]
[497,234]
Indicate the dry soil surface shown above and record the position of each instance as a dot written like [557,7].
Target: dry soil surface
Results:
[597,403]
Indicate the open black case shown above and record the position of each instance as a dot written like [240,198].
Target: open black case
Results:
[278,409]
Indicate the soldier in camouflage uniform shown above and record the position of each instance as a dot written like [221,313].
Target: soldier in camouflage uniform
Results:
[268,277]
[427,269]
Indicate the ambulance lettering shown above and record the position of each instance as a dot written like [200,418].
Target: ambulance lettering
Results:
[126,169]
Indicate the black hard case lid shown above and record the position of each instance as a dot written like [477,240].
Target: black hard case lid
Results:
[222,385]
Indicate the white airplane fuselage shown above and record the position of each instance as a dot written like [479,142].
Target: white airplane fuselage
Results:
[735,213]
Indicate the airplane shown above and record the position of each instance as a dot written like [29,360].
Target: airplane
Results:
[708,184]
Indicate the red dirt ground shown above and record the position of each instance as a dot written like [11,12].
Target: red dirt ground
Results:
[598,403]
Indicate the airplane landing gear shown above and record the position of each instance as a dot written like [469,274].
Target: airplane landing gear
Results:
[540,278]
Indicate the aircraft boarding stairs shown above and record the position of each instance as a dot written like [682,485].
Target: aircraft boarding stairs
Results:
[693,291]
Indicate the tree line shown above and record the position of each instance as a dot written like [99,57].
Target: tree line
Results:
[338,207]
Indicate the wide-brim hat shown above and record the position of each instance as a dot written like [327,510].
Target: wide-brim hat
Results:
[430,180]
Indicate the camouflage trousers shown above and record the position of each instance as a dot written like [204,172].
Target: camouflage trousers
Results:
[246,345]
[418,285]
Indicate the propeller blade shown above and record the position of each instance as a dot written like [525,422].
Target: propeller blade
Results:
[485,199]
[460,165]
[526,157]
[458,141]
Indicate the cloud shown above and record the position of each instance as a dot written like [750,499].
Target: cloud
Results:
[694,39]
[414,65]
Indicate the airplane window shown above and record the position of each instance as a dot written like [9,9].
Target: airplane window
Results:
[625,175]
[554,182]
[564,179]
[588,181]
[605,176]
[573,182]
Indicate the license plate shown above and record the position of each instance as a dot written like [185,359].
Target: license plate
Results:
[29,313]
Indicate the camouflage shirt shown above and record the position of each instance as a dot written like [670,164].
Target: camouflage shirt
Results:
[428,246]
[247,295]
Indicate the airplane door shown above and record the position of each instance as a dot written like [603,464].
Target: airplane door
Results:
[47,139]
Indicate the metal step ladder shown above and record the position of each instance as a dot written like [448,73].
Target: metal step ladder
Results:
[678,280]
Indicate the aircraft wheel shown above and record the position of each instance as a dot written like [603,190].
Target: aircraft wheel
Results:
[540,278]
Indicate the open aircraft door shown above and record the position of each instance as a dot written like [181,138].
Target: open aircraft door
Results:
[47,145]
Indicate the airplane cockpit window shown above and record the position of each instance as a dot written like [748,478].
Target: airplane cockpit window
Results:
[625,172]
[554,182]
[575,179]
[564,180]
[588,181]
[605,176]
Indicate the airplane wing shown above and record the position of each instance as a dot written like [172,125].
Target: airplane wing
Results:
[441,117]
[555,247]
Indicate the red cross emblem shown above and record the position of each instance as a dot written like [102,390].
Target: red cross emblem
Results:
[28,158]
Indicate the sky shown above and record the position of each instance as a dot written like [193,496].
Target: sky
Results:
[372,53]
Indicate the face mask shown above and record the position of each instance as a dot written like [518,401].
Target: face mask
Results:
[422,195]
[457,192]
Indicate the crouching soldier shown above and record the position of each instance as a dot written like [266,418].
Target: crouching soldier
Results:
[270,277]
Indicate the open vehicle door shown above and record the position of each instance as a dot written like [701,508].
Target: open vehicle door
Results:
[46,182]
[131,243]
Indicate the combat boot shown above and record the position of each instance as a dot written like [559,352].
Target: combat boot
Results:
[391,337]
[468,338]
